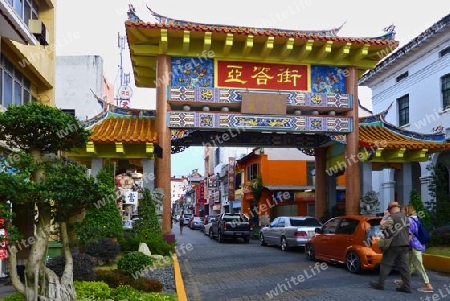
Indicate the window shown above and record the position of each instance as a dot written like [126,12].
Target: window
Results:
[14,87]
[445,87]
[305,222]
[401,76]
[281,223]
[310,172]
[347,226]
[330,227]
[252,172]
[403,110]
[25,9]
[444,51]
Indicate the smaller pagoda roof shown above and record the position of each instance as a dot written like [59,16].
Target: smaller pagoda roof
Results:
[125,130]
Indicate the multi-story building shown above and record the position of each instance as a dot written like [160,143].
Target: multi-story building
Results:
[288,184]
[27,69]
[77,77]
[413,84]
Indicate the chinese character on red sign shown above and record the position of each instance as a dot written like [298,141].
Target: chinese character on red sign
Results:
[262,76]
[3,244]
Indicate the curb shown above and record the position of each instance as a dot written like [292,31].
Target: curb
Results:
[436,263]
[179,283]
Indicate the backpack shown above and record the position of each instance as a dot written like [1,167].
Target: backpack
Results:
[423,235]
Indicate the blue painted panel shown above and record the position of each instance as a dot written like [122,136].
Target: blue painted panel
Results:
[328,79]
[192,72]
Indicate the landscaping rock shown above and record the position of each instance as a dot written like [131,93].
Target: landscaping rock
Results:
[144,249]
[165,275]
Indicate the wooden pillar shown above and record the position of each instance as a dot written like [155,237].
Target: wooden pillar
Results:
[162,179]
[352,170]
[320,181]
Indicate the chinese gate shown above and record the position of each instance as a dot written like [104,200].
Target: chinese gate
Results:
[239,86]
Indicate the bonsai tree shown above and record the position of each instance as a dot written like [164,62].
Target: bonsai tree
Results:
[55,188]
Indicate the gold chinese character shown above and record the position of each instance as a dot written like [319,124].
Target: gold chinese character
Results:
[261,75]
[264,108]
[234,74]
[287,76]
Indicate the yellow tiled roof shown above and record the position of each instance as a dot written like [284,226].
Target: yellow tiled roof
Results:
[127,130]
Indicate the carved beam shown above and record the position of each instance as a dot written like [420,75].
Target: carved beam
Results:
[305,50]
[324,51]
[360,53]
[342,52]
[228,44]
[163,41]
[268,47]
[139,36]
[207,41]
[247,46]
[90,148]
[287,48]
[119,148]
[186,41]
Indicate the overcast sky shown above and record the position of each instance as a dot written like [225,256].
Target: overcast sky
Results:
[91,27]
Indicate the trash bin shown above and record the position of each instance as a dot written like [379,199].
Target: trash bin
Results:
[54,249]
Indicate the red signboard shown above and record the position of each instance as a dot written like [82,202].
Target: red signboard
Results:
[3,244]
[262,76]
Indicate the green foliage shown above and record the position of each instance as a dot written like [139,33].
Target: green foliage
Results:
[147,228]
[134,262]
[419,206]
[83,266]
[129,242]
[14,297]
[439,206]
[90,290]
[256,187]
[102,218]
[35,126]
[335,211]
[126,292]
[116,278]
[105,249]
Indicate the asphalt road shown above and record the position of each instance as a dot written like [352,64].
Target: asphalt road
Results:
[238,271]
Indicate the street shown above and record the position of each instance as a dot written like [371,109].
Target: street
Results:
[237,271]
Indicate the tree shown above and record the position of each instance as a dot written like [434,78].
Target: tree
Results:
[103,220]
[439,206]
[256,187]
[419,206]
[55,188]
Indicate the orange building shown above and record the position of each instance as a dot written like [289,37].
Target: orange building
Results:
[288,186]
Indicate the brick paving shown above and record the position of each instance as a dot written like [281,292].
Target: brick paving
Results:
[236,271]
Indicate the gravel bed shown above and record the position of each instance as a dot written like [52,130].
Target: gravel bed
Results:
[166,276]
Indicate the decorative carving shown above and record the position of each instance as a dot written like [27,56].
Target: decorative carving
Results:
[370,204]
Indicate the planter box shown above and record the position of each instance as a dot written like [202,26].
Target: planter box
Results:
[436,263]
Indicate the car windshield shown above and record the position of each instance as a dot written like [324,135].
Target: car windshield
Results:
[230,218]
[197,219]
[305,222]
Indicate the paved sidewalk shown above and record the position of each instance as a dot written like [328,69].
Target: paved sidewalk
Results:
[6,290]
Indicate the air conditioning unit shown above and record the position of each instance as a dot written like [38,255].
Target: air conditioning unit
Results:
[38,29]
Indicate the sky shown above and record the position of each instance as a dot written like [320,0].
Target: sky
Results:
[91,28]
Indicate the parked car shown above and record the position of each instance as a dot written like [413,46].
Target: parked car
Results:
[230,225]
[350,239]
[289,231]
[196,223]
[207,224]
[187,217]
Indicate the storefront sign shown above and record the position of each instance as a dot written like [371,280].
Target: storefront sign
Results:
[248,75]
[280,196]
[131,198]
[212,182]
[263,103]
[305,196]
[3,244]
[231,178]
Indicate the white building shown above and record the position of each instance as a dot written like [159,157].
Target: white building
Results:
[414,84]
[76,78]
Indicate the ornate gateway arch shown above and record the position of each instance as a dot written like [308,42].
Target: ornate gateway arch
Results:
[240,86]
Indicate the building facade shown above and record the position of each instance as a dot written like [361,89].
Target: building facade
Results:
[77,77]
[413,84]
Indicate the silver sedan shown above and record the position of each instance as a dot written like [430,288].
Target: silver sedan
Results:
[289,231]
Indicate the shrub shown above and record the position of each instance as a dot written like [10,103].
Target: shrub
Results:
[147,285]
[113,278]
[83,266]
[129,242]
[91,290]
[126,292]
[158,245]
[14,297]
[105,249]
[134,262]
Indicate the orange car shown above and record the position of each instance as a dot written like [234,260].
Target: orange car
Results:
[349,239]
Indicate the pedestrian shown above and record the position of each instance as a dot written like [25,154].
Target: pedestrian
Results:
[416,249]
[181,223]
[395,225]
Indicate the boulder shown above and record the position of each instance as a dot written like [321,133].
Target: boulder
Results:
[144,249]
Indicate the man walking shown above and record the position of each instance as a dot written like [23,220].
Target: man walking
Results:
[396,225]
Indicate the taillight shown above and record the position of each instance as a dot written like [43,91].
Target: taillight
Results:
[224,226]
[300,233]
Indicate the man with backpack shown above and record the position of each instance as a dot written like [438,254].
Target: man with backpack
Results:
[418,237]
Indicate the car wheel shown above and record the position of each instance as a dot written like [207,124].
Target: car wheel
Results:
[284,244]
[353,262]
[211,234]
[262,241]
[219,237]
[309,252]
